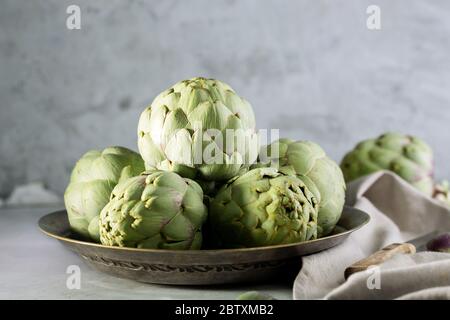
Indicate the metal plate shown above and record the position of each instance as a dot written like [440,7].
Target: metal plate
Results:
[199,267]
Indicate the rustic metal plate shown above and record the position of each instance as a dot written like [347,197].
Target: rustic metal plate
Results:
[198,267]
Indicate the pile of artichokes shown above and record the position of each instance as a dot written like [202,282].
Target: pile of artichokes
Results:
[193,186]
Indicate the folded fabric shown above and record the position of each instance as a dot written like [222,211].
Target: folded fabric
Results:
[398,213]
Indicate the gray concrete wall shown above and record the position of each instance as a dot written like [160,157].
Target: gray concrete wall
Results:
[311,68]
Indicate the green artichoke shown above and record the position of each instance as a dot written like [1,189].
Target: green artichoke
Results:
[441,243]
[321,174]
[442,193]
[254,295]
[199,128]
[157,210]
[263,207]
[407,156]
[92,180]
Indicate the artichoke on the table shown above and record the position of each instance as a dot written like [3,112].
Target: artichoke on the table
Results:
[254,295]
[263,207]
[442,192]
[321,174]
[157,210]
[92,180]
[441,243]
[185,130]
[409,157]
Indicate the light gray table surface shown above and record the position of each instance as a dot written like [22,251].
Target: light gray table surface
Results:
[33,266]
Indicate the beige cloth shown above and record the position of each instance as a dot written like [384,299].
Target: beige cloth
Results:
[398,213]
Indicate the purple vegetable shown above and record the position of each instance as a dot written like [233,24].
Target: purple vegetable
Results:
[440,244]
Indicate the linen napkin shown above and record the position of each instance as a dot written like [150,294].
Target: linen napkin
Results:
[398,213]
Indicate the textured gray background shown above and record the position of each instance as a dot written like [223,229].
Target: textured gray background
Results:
[311,68]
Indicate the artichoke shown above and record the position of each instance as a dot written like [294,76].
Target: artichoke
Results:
[157,210]
[321,174]
[254,295]
[407,156]
[199,128]
[263,207]
[442,193]
[441,243]
[92,180]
